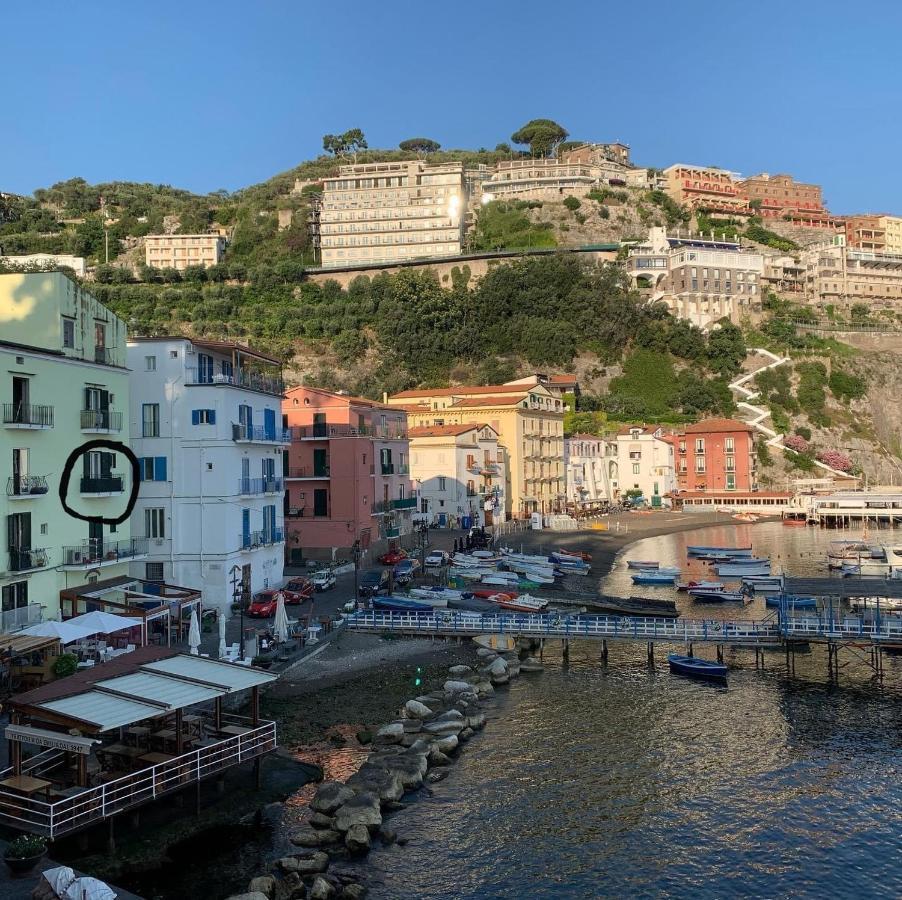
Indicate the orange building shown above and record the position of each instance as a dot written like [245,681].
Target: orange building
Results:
[776,196]
[704,187]
[716,455]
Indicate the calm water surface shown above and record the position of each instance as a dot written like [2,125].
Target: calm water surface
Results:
[592,782]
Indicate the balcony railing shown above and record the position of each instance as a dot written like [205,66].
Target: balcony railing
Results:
[404,503]
[403,469]
[26,485]
[252,381]
[97,552]
[28,415]
[104,356]
[21,559]
[388,469]
[263,538]
[102,484]
[21,617]
[321,430]
[381,506]
[309,472]
[250,486]
[101,420]
[258,434]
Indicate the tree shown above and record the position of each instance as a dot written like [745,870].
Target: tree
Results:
[334,144]
[350,141]
[542,135]
[420,145]
[726,349]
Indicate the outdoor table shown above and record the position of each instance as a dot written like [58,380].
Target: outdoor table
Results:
[26,785]
[155,759]
[121,750]
[313,633]
[234,730]
[137,732]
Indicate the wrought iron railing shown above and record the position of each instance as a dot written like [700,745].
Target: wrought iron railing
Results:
[35,415]
[254,381]
[21,559]
[260,434]
[253,539]
[271,485]
[26,485]
[101,420]
[309,472]
[104,356]
[102,484]
[94,552]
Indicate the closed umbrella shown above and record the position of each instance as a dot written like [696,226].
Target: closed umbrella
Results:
[193,634]
[222,639]
[280,625]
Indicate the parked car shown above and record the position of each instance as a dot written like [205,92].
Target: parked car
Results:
[323,581]
[390,557]
[404,570]
[263,604]
[436,559]
[373,581]
[302,586]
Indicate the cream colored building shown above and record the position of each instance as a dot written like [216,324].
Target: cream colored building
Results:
[387,212]
[530,426]
[178,251]
[706,187]
[700,278]
[47,261]
[645,461]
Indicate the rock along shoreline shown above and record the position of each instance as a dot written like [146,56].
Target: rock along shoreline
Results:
[414,749]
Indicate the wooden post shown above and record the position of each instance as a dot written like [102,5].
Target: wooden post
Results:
[604,652]
[720,653]
[651,653]
[258,772]
[82,770]
[255,706]
[690,649]
[178,732]
[217,713]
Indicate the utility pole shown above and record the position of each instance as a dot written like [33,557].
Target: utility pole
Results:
[106,232]
[237,597]
[356,552]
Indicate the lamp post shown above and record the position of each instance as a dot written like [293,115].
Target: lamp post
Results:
[238,597]
[356,551]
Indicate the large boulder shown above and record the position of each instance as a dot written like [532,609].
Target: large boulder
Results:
[531,664]
[362,809]
[466,734]
[320,820]
[321,889]
[382,782]
[414,709]
[412,726]
[476,721]
[500,679]
[390,734]
[310,864]
[357,839]
[498,666]
[446,744]
[263,884]
[459,671]
[450,715]
[409,767]
[484,688]
[443,728]
[433,703]
[353,891]
[437,758]
[486,653]
[311,837]
[455,687]
[329,796]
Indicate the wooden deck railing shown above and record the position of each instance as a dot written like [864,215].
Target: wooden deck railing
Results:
[95,804]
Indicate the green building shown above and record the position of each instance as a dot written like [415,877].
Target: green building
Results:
[63,382]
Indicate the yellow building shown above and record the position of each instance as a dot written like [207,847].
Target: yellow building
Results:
[529,421]
[892,229]
[178,251]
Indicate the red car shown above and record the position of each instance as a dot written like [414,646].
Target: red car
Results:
[304,587]
[392,557]
[264,604]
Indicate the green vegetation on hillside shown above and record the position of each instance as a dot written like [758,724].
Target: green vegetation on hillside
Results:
[504,225]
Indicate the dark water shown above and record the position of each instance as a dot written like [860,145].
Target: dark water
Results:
[626,782]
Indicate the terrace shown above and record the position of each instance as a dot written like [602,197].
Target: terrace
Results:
[227,364]
[115,738]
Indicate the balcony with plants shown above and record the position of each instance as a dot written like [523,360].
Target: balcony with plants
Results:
[94,553]
[23,487]
[27,559]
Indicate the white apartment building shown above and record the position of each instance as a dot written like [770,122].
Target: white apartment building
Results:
[388,212]
[645,462]
[206,425]
[178,251]
[458,470]
[47,261]
[592,467]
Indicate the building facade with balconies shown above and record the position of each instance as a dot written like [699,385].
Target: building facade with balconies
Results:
[592,470]
[645,462]
[206,426]
[64,383]
[459,471]
[347,473]
[716,455]
[708,188]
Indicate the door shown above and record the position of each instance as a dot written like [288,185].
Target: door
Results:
[245,528]
[204,368]
[320,463]
[18,529]
[97,402]
[245,475]
[20,399]
[320,429]
[20,471]
[269,474]
[320,502]
[246,419]
[95,539]
[269,424]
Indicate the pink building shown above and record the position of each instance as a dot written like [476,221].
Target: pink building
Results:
[346,472]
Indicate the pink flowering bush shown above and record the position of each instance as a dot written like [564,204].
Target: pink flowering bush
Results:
[836,460]
[796,442]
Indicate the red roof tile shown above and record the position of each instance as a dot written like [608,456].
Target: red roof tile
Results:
[710,426]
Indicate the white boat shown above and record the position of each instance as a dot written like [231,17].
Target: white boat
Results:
[435,599]
[445,594]
[525,557]
[524,603]
[872,604]
[516,565]
[845,551]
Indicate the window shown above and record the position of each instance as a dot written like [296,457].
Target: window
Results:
[731,482]
[700,465]
[15,596]
[441,484]
[173,354]
[150,420]
[153,468]
[155,522]
[728,445]
[153,571]
[636,468]
[150,364]
[731,463]
[699,445]
[68,332]
[203,416]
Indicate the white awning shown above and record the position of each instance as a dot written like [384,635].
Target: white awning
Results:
[175,693]
[42,737]
[228,676]
[103,711]
[104,623]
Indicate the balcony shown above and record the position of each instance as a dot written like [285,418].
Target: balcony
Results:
[322,430]
[91,554]
[381,507]
[101,421]
[26,559]
[21,617]
[403,469]
[404,503]
[393,532]
[257,434]
[27,415]
[24,486]
[388,469]
[256,539]
[104,356]
[242,378]
[102,485]
[308,472]
[249,487]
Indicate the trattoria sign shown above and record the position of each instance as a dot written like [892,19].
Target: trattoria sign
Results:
[53,739]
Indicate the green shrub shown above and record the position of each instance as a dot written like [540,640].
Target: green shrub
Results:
[25,846]
[572,203]
[603,212]
[762,451]
[804,432]
[844,385]
[65,664]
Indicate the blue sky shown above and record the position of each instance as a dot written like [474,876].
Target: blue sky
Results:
[207,95]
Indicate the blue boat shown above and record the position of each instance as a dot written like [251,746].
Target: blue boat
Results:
[745,561]
[701,550]
[653,576]
[793,602]
[704,595]
[400,604]
[695,667]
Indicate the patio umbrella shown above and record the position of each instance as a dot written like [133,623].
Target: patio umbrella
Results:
[280,625]
[222,638]
[88,888]
[193,634]
[65,631]
[105,623]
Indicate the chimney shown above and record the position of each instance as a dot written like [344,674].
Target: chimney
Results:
[385,396]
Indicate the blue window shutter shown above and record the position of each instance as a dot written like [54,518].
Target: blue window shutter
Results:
[142,462]
[195,417]
[212,415]
[159,468]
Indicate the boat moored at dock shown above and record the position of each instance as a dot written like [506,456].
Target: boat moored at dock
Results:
[696,667]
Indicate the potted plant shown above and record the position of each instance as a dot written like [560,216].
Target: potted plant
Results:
[65,664]
[261,661]
[24,853]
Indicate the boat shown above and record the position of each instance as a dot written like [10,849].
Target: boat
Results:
[524,603]
[745,561]
[841,552]
[471,604]
[444,593]
[701,550]
[696,667]
[700,585]
[641,564]
[501,642]
[795,520]
[746,517]
[635,606]
[400,604]
[431,598]
[741,571]
[763,584]
[585,557]
[792,602]
[724,596]
[483,593]
[651,576]
[867,567]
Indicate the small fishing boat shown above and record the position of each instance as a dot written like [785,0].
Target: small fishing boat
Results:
[754,561]
[428,594]
[642,564]
[792,602]
[707,596]
[795,520]
[696,667]
[472,604]
[635,606]
[585,557]
[431,598]
[500,642]
[730,570]
[700,585]
[483,593]
[650,576]
[701,550]
[400,604]
[524,603]
[746,517]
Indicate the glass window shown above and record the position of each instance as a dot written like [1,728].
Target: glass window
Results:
[150,364]
[150,420]
[68,333]
[155,522]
